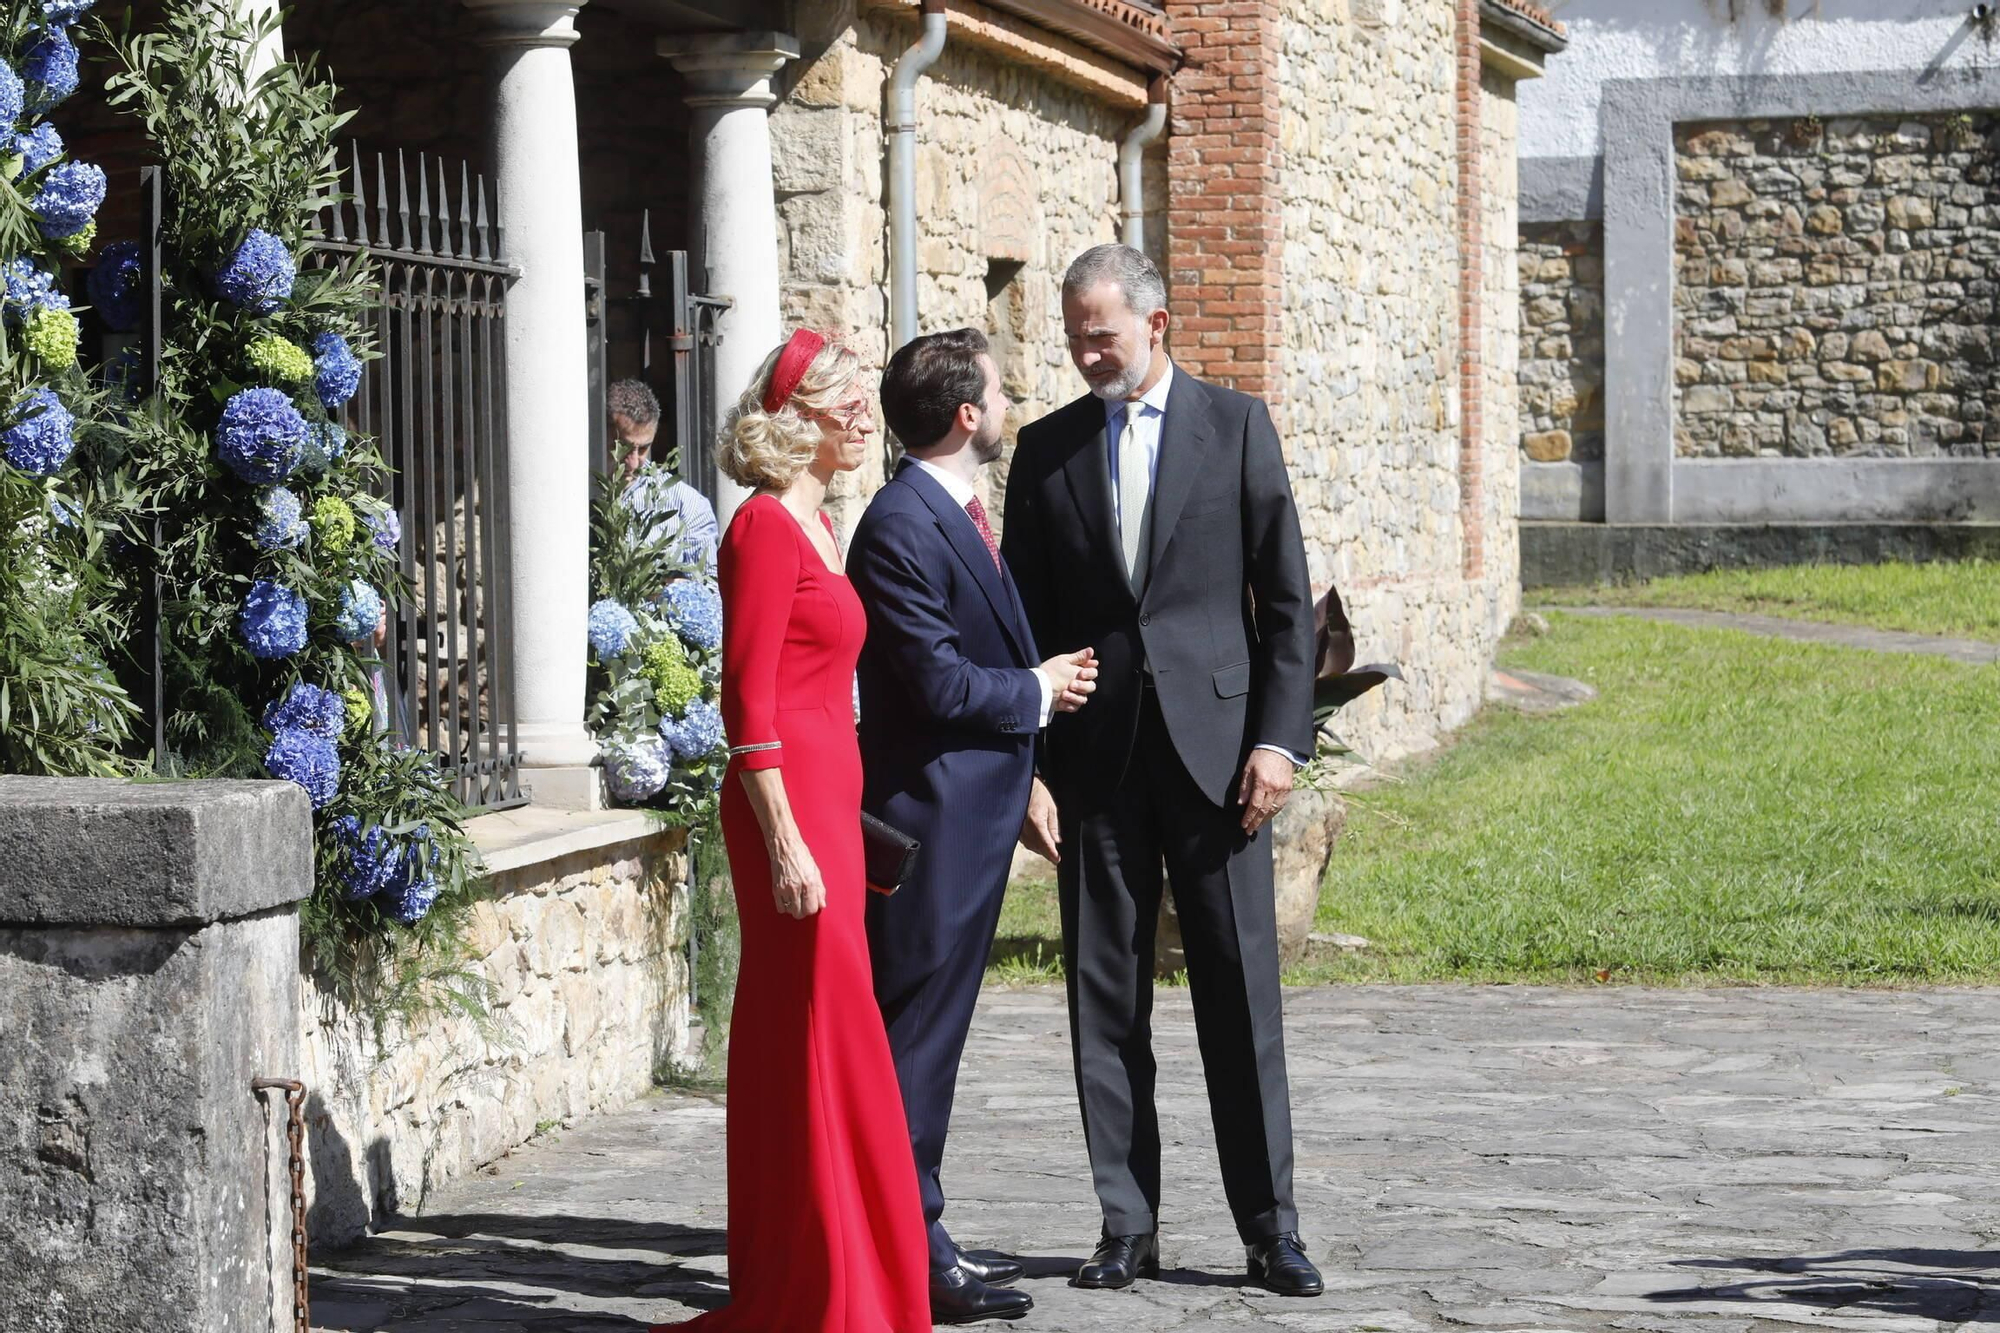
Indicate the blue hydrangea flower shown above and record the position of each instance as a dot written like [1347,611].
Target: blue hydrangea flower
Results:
[336,370]
[325,442]
[30,287]
[308,708]
[611,627]
[70,196]
[273,620]
[360,611]
[695,735]
[280,524]
[62,13]
[63,511]
[258,277]
[39,146]
[695,612]
[387,529]
[117,286]
[13,96]
[413,885]
[309,760]
[50,69]
[638,770]
[261,435]
[367,859]
[43,434]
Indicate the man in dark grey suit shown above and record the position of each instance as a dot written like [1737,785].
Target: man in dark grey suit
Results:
[1153,521]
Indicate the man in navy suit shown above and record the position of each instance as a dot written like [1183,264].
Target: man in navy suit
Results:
[952,699]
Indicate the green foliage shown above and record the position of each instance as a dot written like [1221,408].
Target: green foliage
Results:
[242,153]
[62,711]
[659,673]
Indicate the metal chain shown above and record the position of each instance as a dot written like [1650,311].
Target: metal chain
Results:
[295,1134]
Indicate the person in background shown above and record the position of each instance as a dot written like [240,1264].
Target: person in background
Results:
[670,509]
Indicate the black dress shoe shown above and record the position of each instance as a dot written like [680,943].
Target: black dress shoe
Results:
[1120,1259]
[957,1297]
[998,1271]
[1280,1264]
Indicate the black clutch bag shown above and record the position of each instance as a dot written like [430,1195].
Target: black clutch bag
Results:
[889,854]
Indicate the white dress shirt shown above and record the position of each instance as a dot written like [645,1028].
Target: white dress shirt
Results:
[961,493]
[1150,408]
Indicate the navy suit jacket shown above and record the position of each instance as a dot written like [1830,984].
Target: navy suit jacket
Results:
[950,709]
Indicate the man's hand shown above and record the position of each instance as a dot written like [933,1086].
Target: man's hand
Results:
[1072,679]
[1266,786]
[1040,832]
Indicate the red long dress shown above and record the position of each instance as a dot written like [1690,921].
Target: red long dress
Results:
[826,1231]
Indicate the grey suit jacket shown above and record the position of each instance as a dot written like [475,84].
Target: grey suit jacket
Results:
[1223,621]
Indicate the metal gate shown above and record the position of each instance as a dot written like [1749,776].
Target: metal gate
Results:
[677,337]
[435,401]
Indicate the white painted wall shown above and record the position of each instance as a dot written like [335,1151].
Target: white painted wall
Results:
[1636,39]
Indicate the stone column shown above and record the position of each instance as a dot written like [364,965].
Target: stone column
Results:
[540,206]
[149,973]
[735,240]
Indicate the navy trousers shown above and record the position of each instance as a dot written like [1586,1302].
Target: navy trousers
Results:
[927,1025]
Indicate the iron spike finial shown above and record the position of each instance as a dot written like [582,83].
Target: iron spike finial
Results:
[484,226]
[403,199]
[360,195]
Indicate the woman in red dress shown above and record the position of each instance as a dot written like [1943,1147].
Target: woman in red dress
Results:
[826,1231]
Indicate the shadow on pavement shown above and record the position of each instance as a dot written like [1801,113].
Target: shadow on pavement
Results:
[448,1265]
[1943,1285]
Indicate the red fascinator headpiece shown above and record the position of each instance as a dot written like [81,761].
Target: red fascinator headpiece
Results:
[793,362]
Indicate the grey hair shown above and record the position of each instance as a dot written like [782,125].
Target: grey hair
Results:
[1136,276]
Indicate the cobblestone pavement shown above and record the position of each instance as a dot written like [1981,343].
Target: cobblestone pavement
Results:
[1481,1159]
[1977,652]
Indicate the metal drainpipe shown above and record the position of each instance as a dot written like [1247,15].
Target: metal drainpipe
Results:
[903,174]
[1132,164]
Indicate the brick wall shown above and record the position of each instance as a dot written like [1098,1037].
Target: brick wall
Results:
[1225,220]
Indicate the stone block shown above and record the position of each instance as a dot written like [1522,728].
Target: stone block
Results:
[1870,345]
[96,852]
[1730,193]
[142,1180]
[1547,446]
[1907,376]
[1825,220]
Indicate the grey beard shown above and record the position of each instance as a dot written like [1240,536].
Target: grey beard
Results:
[1118,390]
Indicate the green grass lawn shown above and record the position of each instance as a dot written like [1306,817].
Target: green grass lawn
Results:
[1732,809]
[1958,599]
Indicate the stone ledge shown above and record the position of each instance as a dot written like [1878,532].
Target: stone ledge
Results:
[535,835]
[106,852]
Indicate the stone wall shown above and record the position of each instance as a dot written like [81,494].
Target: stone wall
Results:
[1016,175]
[1561,321]
[1835,287]
[587,959]
[1369,182]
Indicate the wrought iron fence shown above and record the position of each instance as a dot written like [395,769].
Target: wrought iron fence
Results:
[435,401]
[682,323]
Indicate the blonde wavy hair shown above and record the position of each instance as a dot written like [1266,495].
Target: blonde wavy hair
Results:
[768,450]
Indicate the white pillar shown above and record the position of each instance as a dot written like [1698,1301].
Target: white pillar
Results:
[735,240]
[540,206]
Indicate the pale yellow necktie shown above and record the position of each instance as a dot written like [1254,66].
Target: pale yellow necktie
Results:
[1134,484]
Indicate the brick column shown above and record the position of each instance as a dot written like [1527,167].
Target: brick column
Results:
[1471,300]
[1225,225]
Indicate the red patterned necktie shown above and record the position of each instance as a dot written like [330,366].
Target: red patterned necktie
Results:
[978,513]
